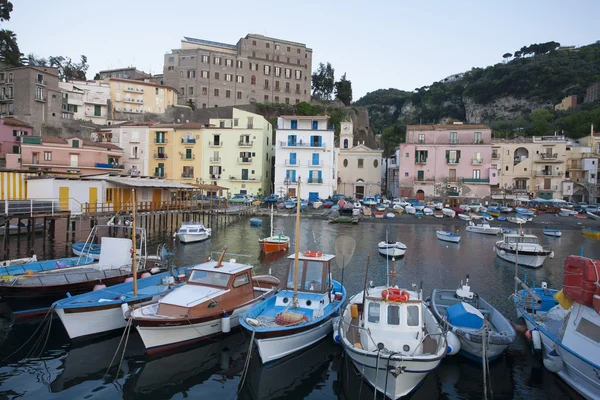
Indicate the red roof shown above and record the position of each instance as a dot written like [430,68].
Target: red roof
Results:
[16,122]
[87,143]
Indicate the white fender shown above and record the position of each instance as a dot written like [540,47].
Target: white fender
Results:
[553,362]
[536,340]
[453,343]
[226,323]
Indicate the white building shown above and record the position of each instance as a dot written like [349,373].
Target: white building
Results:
[392,168]
[85,100]
[305,148]
[133,138]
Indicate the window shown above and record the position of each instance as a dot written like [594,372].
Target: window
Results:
[240,64]
[228,62]
[170,68]
[393,315]
[267,56]
[240,79]
[277,47]
[250,123]
[477,158]
[276,85]
[191,90]
[228,94]
[477,138]
[266,98]
[241,280]
[216,75]
[588,329]
[47,156]
[452,156]
[10,77]
[287,87]
[253,54]
[204,90]
[345,143]
[361,163]
[374,312]
[204,74]
[216,92]
[267,70]
[75,143]
[171,59]
[298,74]
[253,80]
[254,43]
[239,95]
[181,91]
[217,60]
[209,278]
[287,100]
[452,175]
[412,316]
[10,91]
[288,60]
[375,163]
[39,93]
[289,49]
[276,99]
[205,60]
[191,74]
[298,51]
[421,138]
[97,111]
[229,77]
[476,174]
[236,121]
[345,163]
[266,83]
[277,71]
[453,137]
[288,73]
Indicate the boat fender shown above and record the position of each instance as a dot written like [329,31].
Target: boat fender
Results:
[225,323]
[502,252]
[253,322]
[453,343]
[155,270]
[354,310]
[99,286]
[551,254]
[335,322]
[145,275]
[313,253]
[536,341]
[125,310]
[395,294]
[129,279]
[553,362]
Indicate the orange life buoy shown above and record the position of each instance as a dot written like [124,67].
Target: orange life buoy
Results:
[396,295]
[313,253]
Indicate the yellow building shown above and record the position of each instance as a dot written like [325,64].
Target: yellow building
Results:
[175,152]
[530,166]
[137,97]
[238,153]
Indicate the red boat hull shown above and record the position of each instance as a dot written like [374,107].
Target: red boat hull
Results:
[270,247]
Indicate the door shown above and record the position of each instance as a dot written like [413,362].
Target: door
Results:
[360,192]
[315,125]
[244,174]
[74,160]
[156,198]
[291,192]
[420,195]
[320,176]
[313,196]
[315,159]
[93,199]
[63,198]
[126,199]
[292,158]
[294,124]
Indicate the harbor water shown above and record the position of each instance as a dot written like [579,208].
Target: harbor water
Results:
[56,368]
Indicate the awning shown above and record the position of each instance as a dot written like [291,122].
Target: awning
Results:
[146,183]
[203,186]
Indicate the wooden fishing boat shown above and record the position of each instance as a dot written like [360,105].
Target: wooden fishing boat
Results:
[552,232]
[274,243]
[591,232]
[378,214]
[91,249]
[448,236]
[256,221]
[12,270]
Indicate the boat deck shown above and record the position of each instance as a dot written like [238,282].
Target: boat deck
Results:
[67,277]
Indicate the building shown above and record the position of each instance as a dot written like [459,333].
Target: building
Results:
[256,69]
[447,161]
[593,141]
[305,148]
[592,93]
[137,97]
[124,73]
[11,132]
[530,167]
[238,153]
[567,103]
[582,170]
[85,100]
[13,185]
[359,167]
[32,95]
[134,139]
[391,175]
[71,155]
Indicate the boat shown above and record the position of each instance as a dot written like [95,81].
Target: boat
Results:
[464,217]
[396,206]
[20,229]
[208,304]
[419,214]
[419,206]
[378,214]
[564,324]
[280,205]
[522,249]
[289,204]
[567,211]
[367,212]
[317,204]
[92,249]
[438,214]
[552,232]
[526,217]
[380,208]
[399,211]
[464,207]
[299,315]
[255,221]
[303,205]
[524,211]
[427,211]
[493,207]
[392,338]
[14,268]
[274,243]
[516,220]
[483,228]
[465,314]
[592,215]
[495,214]
[369,201]
[105,310]
[191,232]
[475,206]
[448,236]
[487,216]
[391,249]
[506,209]
[448,212]
[390,215]
[502,218]
[410,210]
[344,220]
[591,232]
[327,204]
[475,216]
[357,204]
[438,205]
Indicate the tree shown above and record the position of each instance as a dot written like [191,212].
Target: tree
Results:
[67,69]
[6,8]
[97,76]
[10,54]
[323,81]
[391,137]
[540,124]
[506,56]
[343,90]
[33,61]
[190,103]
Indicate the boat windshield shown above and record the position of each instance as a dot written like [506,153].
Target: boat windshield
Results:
[531,240]
[310,276]
[209,278]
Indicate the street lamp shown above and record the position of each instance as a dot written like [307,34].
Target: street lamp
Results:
[286,182]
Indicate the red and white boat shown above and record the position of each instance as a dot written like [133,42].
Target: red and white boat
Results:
[274,243]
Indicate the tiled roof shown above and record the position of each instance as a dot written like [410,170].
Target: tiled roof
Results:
[453,127]
[88,143]
[305,116]
[192,125]
[16,122]
[135,81]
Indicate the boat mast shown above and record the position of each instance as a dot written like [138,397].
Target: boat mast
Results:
[134,235]
[387,261]
[271,220]
[295,298]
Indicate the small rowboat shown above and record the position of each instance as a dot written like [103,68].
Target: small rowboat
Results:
[448,212]
[378,214]
[464,217]
[516,220]
[591,232]
[524,211]
[390,215]
[592,215]
[438,214]
[255,221]
[448,236]
[493,213]
[392,249]
[552,232]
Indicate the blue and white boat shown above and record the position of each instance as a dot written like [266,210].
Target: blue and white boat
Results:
[448,236]
[91,249]
[552,232]
[303,205]
[369,201]
[526,217]
[524,211]
[289,204]
[505,209]
[255,221]
[567,332]
[46,265]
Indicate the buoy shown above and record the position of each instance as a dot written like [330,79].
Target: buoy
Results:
[99,286]
[553,362]
[354,310]
[129,279]
[125,310]
[336,329]
[453,343]
[528,334]
[155,270]
[145,275]
[181,278]
[536,340]
[552,254]
[252,322]
[225,323]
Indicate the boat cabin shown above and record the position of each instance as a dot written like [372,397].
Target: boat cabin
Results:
[313,272]
[192,227]
[512,238]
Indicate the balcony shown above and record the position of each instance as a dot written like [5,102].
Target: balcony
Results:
[160,141]
[453,141]
[287,90]
[476,161]
[160,174]
[130,89]
[547,158]
[245,143]
[315,180]
[40,82]
[495,156]
[7,97]
[233,178]
[452,162]
[187,176]
[476,181]
[215,144]
[314,145]
[425,180]
[42,99]
[160,156]
[267,87]
[421,161]
[544,173]
[245,160]
[313,163]
[185,157]
[289,163]
[188,141]
[215,159]
[109,166]
[452,194]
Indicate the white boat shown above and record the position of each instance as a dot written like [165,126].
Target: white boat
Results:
[505,209]
[191,232]
[391,249]
[568,211]
[464,207]
[475,206]
[369,201]
[410,210]
[592,215]
[317,204]
[427,211]
[16,229]
[357,205]
[438,205]
[390,215]
[419,207]
[475,216]
[464,217]
[448,212]
[516,220]
[483,228]
[523,249]
[397,206]
[568,331]
[448,236]
[552,232]
[394,342]
[462,313]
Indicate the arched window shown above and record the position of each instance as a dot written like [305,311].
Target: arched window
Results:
[376,163]
[345,163]
[253,80]
[345,143]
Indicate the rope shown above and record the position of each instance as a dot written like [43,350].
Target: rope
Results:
[42,324]
[377,375]
[128,329]
[118,347]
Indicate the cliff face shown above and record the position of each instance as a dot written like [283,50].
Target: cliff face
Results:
[507,107]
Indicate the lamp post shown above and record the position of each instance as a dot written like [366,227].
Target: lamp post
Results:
[286,182]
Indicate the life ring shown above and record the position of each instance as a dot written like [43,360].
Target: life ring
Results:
[313,253]
[394,294]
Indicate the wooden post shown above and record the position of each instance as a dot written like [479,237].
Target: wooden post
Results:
[134,236]
[6,228]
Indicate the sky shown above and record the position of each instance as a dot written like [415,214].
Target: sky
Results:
[379,44]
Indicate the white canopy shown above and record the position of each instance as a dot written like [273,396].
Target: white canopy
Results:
[522,199]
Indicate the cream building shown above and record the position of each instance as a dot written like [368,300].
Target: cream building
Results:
[593,142]
[359,167]
[136,97]
[530,166]
[238,153]
[85,100]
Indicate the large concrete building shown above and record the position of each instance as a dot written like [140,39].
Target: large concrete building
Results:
[257,69]
[124,73]
[85,100]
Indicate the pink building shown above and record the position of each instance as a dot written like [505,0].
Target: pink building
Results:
[11,131]
[447,162]
[72,155]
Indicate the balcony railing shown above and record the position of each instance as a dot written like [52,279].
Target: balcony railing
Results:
[315,180]
[495,156]
[548,173]
[546,156]
[301,144]
[315,163]
[421,161]
[245,160]
[452,161]
[188,141]
[425,180]
[109,166]
[476,161]
[160,156]
[290,163]
[160,141]
[480,181]
[214,144]
[185,157]
[215,159]
[40,82]
[245,143]
[161,174]
[187,176]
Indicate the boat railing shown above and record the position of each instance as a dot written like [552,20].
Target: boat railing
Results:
[43,265]
[547,248]
[63,279]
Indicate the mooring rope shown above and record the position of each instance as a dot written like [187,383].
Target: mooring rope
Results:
[118,347]
[42,324]
[128,329]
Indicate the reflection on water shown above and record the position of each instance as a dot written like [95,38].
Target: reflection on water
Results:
[213,369]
